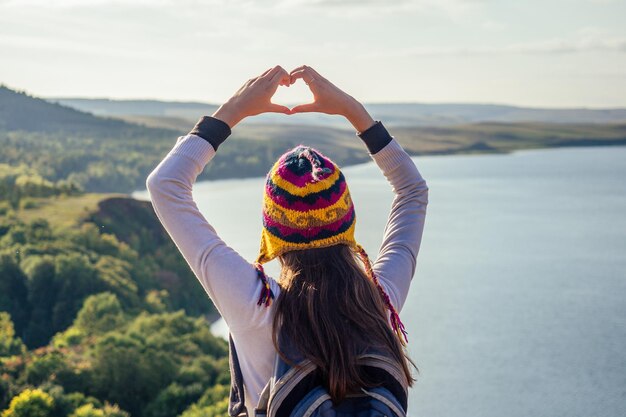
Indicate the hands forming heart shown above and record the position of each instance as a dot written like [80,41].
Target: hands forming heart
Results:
[255,97]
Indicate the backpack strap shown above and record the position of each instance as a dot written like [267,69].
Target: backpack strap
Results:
[261,409]
[288,385]
[383,368]
[292,387]
[236,401]
[388,399]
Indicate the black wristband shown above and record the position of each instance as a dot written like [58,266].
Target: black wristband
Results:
[211,129]
[375,137]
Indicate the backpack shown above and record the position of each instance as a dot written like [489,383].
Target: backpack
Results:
[293,392]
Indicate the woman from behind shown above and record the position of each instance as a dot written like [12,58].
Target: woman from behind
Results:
[329,301]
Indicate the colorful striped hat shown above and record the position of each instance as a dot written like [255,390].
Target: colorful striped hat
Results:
[307,205]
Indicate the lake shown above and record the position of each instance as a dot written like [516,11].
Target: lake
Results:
[517,307]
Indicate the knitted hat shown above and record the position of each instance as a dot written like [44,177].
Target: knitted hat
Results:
[307,205]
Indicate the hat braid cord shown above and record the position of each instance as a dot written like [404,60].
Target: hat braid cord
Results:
[396,323]
[316,170]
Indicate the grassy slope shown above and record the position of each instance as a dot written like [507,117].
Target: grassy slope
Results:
[506,137]
[65,211]
[419,140]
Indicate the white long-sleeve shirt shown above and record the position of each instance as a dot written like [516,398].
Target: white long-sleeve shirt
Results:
[231,281]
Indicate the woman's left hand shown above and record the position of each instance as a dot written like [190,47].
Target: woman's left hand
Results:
[254,97]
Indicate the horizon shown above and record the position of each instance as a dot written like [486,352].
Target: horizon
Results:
[174,101]
[443,103]
[465,51]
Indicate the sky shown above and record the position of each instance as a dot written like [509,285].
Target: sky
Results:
[540,53]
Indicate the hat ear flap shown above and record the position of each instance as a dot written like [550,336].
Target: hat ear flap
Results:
[396,323]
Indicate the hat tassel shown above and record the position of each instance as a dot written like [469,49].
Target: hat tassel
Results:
[266,292]
[396,323]
[398,327]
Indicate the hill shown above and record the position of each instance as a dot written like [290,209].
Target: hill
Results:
[108,107]
[19,111]
[394,114]
[506,137]
[74,150]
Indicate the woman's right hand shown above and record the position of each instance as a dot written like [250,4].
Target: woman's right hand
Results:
[329,99]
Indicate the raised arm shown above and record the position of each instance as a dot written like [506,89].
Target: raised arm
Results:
[397,257]
[230,281]
[396,261]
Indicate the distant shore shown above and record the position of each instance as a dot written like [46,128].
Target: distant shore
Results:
[481,149]
[450,152]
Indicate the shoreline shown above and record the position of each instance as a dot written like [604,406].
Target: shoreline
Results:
[494,151]
[427,154]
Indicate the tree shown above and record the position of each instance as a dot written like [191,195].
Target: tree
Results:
[9,344]
[115,275]
[13,292]
[219,409]
[30,403]
[157,301]
[173,400]
[129,373]
[76,278]
[66,403]
[100,313]
[45,367]
[72,336]
[42,296]
[88,410]
[214,403]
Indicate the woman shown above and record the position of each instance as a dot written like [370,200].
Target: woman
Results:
[329,305]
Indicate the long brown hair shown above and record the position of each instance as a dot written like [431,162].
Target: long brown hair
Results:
[331,311]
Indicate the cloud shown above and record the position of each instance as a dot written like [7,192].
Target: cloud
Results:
[96,3]
[585,43]
[453,7]
[452,10]
[493,26]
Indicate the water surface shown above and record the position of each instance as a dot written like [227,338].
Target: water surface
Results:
[517,307]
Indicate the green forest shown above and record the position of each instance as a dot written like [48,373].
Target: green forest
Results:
[103,318]
[100,316]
